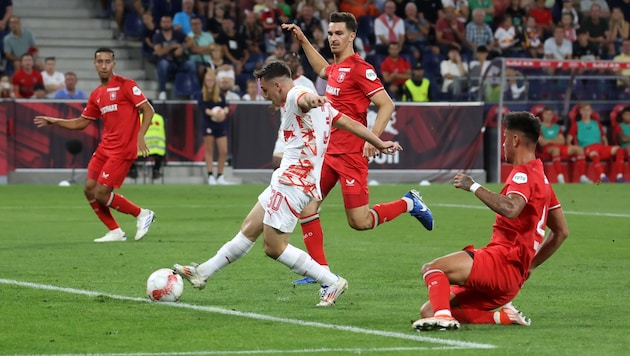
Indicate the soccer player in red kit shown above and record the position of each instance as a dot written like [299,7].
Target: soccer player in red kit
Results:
[118,101]
[476,286]
[352,86]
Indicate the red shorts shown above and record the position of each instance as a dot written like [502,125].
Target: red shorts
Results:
[602,150]
[564,151]
[493,280]
[351,169]
[110,172]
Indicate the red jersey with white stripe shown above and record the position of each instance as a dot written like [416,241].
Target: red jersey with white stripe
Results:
[524,234]
[306,137]
[117,105]
[351,83]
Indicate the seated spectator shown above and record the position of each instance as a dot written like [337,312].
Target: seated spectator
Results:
[532,38]
[169,45]
[234,47]
[217,58]
[507,38]
[449,32]
[53,80]
[417,30]
[227,83]
[16,43]
[25,78]
[306,20]
[293,60]
[586,5]
[70,91]
[122,8]
[388,28]
[553,146]
[395,70]
[462,9]
[623,84]
[566,22]
[39,91]
[6,88]
[417,88]
[148,31]
[477,68]
[181,19]
[252,92]
[583,49]
[6,11]
[454,73]
[590,135]
[161,8]
[198,47]
[278,53]
[618,30]
[271,17]
[484,5]
[543,17]
[623,135]
[214,22]
[558,47]
[519,15]
[568,8]
[252,33]
[358,7]
[479,33]
[596,25]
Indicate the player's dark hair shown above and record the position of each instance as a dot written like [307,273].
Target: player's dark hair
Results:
[105,49]
[347,18]
[625,110]
[523,122]
[272,70]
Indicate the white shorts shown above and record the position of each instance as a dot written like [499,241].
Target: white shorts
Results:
[283,205]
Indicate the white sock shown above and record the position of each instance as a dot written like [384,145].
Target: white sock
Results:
[234,249]
[301,263]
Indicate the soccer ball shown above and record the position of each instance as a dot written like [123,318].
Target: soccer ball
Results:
[164,285]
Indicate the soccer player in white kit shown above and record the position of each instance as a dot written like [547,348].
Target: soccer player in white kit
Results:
[306,122]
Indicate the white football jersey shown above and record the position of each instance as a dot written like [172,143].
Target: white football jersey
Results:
[306,137]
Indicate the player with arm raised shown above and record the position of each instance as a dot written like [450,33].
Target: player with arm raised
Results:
[306,122]
[352,86]
[476,286]
[118,101]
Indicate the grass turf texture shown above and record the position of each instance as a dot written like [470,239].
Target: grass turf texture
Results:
[576,300]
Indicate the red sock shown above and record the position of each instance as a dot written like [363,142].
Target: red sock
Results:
[104,214]
[557,164]
[439,290]
[619,161]
[123,205]
[388,211]
[475,316]
[580,165]
[597,165]
[314,238]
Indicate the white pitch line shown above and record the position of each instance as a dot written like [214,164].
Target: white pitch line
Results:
[357,330]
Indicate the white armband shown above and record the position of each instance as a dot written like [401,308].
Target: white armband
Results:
[473,188]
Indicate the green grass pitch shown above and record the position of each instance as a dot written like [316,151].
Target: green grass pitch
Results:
[61,293]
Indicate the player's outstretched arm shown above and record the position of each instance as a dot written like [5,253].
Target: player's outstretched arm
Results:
[509,205]
[559,231]
[147,115]
[346,123]
[315,59]
[386,107]
[78,123]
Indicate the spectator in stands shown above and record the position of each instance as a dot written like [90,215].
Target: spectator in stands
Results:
[623,84]
[590,135]
[395,70]
[6,11]
[271,18]
[252,33]
[543,17]
[214,22]
[558,47]
[70,91]
[624,5]
[462,9]
[454,72]
[417,89]
[449,32]
[6,87]
[161,8]
[477,68]
[227,83]
[181,19]
[148,32]
[553,145]
[583,49]
[532,38]
[294,63]
[618,30]
[198,47]
[16,43]
[585,5]
[252,93]
[320,42]
[566,22]
[388,28]
[25,78]
[484,5]
[217,57]
[121,8]
[417,30]
[519,15]
[278,53]
[358,7]
[169,45]
[596,26]
[53,80]
[39,91]
[431,10]
[214,110]
[234,47]
[307,20]
[568,8]
[623,135]
[506,37]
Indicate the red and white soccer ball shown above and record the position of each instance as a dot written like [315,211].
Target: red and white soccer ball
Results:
[164,285]
[218,114]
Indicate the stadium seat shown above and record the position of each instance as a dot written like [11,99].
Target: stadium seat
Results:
[574,112]
[537,110]
[184,85]
[615,119]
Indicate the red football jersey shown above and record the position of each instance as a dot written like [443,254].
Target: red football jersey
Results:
[524,234]
[351,83]
[117,104]
[26,82]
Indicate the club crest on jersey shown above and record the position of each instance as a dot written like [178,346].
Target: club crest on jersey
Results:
[370,75]
[341,77]
[112,95]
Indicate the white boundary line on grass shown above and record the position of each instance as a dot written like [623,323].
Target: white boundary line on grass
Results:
[357,330]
